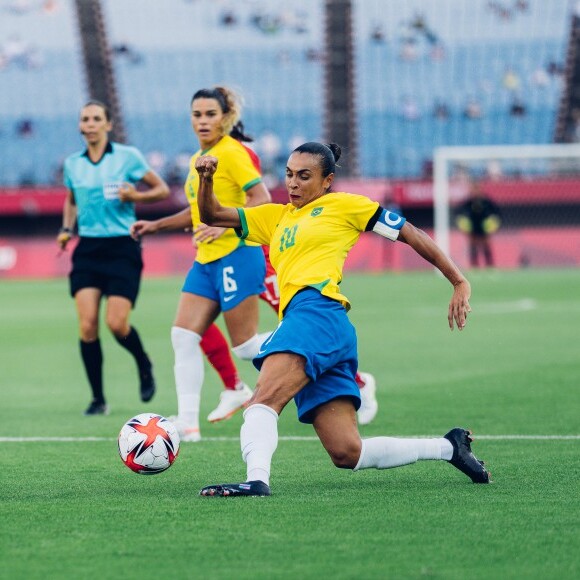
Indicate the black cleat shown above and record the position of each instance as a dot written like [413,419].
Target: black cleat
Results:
[256,488]
[147,385]
[97,408]
[463,457]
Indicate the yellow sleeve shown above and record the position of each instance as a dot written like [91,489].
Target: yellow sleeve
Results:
[241,169]
[360,210]
[258,223]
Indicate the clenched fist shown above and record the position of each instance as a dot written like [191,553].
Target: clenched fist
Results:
[206,166]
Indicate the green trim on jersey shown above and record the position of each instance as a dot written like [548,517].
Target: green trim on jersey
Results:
[242,232]
[252,183]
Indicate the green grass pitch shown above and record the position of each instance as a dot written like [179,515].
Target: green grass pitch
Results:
[70,509]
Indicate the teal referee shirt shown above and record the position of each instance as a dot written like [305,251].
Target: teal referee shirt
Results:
[100,212]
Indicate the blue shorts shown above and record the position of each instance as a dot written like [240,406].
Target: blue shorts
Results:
[318,329]
[229,280]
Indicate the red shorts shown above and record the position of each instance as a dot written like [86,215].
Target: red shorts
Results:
[272,293]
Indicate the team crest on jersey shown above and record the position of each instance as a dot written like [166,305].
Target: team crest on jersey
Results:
[316,211]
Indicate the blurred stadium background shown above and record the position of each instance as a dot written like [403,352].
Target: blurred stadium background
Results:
[393,82]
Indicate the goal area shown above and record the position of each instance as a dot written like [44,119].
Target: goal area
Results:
[534,192]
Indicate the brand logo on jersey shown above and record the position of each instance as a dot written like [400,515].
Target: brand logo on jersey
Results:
[316,211]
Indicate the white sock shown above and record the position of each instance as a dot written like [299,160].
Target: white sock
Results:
[386,452]
[249,349]
[258,440]
[189,373]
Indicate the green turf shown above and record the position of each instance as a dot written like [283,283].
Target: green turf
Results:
[72,510]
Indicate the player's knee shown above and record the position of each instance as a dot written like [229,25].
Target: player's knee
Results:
[345,456]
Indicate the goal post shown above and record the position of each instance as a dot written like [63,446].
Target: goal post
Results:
[537,188]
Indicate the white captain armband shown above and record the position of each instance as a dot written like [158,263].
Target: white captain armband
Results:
[386,223]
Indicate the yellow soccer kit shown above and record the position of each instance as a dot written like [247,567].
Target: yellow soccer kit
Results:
[236,173]
[309,245]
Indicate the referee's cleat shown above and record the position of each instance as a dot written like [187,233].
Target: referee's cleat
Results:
[97,408]
[255,488]
[463,457]
[147,381]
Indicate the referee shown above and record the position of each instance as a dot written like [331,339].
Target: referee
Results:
[106,261]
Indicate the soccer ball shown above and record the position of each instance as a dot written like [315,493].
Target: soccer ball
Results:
[148,444]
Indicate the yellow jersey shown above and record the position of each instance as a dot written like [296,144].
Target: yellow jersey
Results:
[309,245]
[235,174]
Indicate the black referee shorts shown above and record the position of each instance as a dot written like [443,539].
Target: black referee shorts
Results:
[113,265]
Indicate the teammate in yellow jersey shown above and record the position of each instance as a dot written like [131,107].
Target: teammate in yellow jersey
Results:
[312,355]
[228,273]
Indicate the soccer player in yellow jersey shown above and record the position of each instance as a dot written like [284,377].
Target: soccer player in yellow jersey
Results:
[228,273]
[312,355]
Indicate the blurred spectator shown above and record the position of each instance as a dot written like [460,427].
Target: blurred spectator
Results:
[518,108]
[410,109]
[314,55]
[511,81]
[441,110]
[377,34]
[540,77]
[522,5]
[473,109]
[555,69]
[493,170]
[409,50]
[419,24]
[25,128]
[228,18]
[125,50]
[50,6]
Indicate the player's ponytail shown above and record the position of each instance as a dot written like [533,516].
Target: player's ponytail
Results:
[238,132]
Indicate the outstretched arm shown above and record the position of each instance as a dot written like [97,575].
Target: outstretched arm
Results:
[428,249]
[177,221]
[211,211]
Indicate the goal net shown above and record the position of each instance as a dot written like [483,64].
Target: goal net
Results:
[508,206]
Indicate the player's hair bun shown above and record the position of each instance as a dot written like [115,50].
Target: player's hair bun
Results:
[336,150]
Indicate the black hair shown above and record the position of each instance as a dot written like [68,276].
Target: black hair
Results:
[329,155]
[238,132]
[214,93]
[99,104]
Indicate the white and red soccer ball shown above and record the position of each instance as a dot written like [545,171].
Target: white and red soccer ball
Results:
[148,444]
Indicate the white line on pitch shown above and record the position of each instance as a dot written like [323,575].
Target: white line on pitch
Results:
[287,438]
